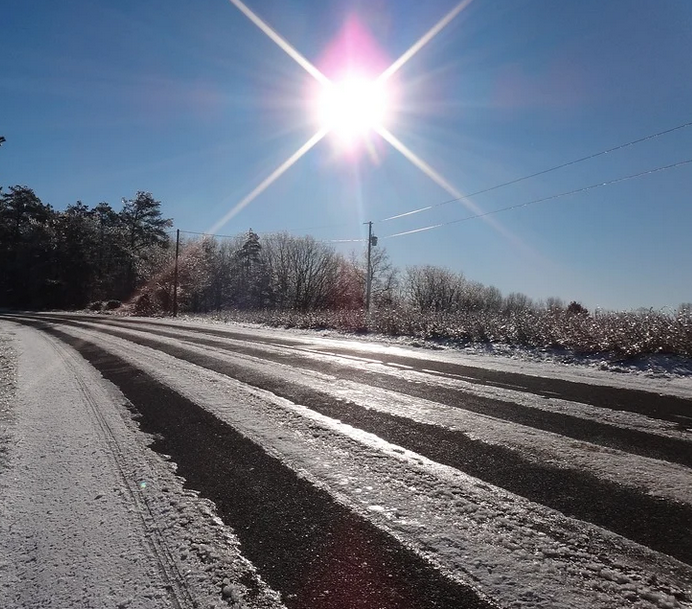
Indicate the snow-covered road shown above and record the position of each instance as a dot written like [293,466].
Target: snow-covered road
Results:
[89,516]
[343,474]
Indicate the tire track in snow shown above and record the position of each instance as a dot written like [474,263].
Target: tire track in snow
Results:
[8,390]
[178,593]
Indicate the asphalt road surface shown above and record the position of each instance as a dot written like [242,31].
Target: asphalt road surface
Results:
[372,476]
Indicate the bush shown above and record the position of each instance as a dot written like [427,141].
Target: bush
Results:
[146,305]
[619,335]
[113,304]
[95,306]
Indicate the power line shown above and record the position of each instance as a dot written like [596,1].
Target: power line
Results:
[191,232]
[496,211]
[550,198]
[539,173]
[270,232]
[306,228]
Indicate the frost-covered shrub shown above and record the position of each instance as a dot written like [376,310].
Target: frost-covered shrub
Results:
[620,335]
[146,305]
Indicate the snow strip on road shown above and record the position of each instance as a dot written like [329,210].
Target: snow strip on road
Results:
[623,419]
[8,389]
[379,346]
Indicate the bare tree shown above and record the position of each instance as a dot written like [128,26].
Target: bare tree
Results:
[516,301]
[553,303]
[432,288]
[685,309]
[303,272]
[349,291]
[385,278]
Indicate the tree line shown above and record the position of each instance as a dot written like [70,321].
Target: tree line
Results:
[71,258]
[107,258]
[284,272]
[66,259]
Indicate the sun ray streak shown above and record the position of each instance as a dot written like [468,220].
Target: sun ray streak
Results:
[269,180]
[424,39]
[281,42]
[440,181]
[425,168]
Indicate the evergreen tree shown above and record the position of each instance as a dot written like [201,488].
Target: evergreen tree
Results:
[144,227]
[77,255]
[252,278]
[27,246]
[111,253]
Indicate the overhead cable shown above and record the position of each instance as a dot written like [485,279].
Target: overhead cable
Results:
[192,232]
[307,228]
[539,173]
[550,198]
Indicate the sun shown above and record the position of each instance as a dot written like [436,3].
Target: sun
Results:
[352,107]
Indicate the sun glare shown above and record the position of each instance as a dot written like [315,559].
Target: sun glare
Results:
[352,107]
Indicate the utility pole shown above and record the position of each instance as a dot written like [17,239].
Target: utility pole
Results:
[372,241]
[175,274]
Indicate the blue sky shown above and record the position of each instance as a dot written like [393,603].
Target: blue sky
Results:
[191,101]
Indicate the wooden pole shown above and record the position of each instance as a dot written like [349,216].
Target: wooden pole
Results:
[368,271]
[175,274]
